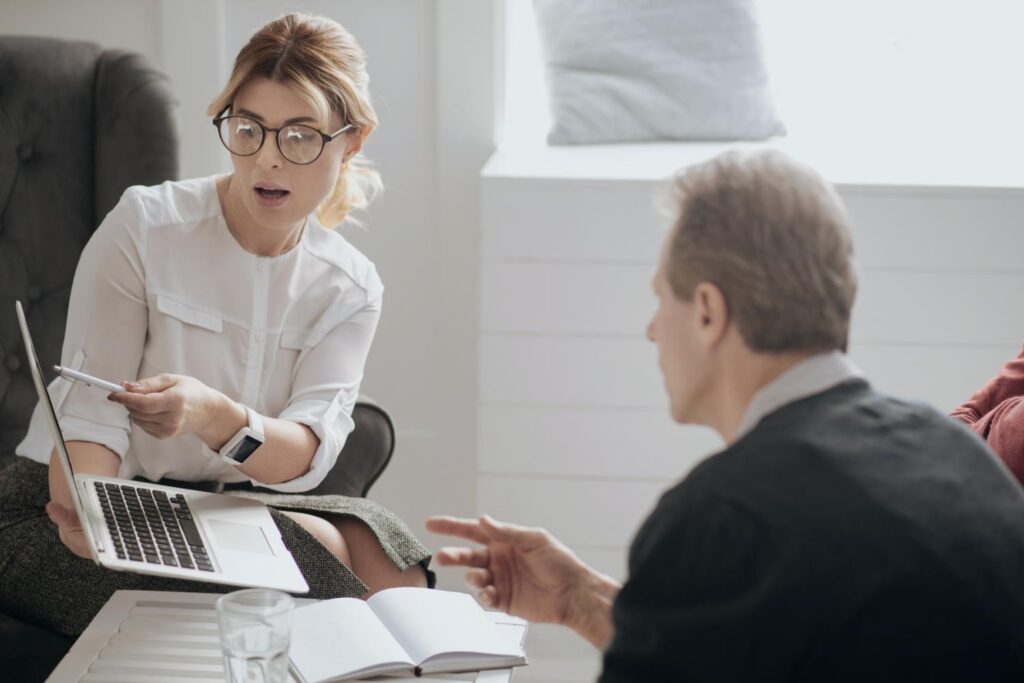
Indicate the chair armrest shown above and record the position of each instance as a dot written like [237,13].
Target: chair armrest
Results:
[365,455]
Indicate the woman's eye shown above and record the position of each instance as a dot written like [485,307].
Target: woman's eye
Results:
[245,131]
[298,135]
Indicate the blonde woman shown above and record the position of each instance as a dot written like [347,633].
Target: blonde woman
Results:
[237,306]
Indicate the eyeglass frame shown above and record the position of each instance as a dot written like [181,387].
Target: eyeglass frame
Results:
[325,138]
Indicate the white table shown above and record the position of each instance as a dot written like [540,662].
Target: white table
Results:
[163,637]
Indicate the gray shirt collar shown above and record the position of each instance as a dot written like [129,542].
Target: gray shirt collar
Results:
[808,377]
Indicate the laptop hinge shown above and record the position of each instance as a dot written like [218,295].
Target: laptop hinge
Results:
[96,533]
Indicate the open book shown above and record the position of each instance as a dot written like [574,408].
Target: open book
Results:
[397,630]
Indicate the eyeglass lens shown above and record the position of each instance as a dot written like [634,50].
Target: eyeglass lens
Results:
[244,136]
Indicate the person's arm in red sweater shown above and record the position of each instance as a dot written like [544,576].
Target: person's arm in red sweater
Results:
[1008,383]
[996,414]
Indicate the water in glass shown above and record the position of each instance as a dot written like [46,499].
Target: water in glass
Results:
[255,625]
[256,655]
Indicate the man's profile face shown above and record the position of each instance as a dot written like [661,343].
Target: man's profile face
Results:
[682,357]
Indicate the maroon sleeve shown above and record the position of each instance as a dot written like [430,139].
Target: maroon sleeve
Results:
[996,414]
[1008,383]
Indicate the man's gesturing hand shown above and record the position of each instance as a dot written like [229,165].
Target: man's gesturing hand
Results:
[523,571]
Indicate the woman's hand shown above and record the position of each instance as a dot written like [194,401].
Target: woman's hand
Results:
[169,405]
[86,458]
[69,528]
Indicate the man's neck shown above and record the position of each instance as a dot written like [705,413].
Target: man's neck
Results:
[746,374]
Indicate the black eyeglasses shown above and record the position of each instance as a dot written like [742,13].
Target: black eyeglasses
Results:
[297,143]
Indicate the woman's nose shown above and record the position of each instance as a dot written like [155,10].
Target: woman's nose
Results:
[269,155]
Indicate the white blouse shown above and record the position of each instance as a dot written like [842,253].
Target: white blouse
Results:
[162,286]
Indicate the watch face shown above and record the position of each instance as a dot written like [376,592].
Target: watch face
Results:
[246,447]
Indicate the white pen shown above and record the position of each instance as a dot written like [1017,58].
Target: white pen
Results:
[77,376]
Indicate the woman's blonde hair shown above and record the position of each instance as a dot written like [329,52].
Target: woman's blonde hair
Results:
[325,64]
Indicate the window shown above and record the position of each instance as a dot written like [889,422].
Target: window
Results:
[917,85]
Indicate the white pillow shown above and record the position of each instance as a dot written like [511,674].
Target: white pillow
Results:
[639,70]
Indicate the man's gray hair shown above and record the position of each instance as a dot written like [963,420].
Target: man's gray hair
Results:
[774,237]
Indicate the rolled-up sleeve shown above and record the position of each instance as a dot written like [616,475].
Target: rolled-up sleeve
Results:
[996,413]
[327,379]
[106,327]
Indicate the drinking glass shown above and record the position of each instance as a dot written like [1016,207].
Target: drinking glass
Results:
[255,627]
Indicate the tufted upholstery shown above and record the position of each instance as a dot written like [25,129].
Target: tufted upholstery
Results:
[78,125]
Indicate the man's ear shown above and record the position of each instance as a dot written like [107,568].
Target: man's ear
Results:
[712,311]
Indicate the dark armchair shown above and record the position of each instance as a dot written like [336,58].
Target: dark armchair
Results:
[78,125]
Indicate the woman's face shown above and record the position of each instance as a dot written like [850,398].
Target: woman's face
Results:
[273,192]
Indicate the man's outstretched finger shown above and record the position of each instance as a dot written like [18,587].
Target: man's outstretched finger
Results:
[488,596]
[462,557]
[468,529]
[479,578]
[508,533]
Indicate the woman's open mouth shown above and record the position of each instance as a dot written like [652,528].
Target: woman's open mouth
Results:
[270,196]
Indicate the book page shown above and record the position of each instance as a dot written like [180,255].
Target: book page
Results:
[429,623]
[339,637]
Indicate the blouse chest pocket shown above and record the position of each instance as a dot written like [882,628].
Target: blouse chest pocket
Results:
[188,314]
[278,389]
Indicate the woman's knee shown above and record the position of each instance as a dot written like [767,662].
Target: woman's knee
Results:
[370,563]
[326,533]
[358,548]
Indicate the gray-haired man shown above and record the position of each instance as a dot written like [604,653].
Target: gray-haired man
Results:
[841,535]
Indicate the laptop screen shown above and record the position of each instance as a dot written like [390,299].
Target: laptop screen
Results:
[51,416]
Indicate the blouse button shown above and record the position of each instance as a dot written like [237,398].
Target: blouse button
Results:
[259,336]
[260,265]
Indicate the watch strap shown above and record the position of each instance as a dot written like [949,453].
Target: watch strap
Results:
[254,425]
[255,422]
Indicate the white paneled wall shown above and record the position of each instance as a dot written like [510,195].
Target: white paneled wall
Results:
[573,427]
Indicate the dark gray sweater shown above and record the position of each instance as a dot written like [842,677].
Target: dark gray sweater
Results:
[847,537]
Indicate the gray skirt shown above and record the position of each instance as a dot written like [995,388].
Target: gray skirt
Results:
[44,583]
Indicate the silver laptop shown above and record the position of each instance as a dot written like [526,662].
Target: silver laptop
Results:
[166,531]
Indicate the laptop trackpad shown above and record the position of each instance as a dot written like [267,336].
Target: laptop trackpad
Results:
[245,537]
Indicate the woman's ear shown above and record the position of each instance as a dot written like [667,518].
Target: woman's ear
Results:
[355,144]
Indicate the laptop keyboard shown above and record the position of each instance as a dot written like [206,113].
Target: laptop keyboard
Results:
[149,526]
